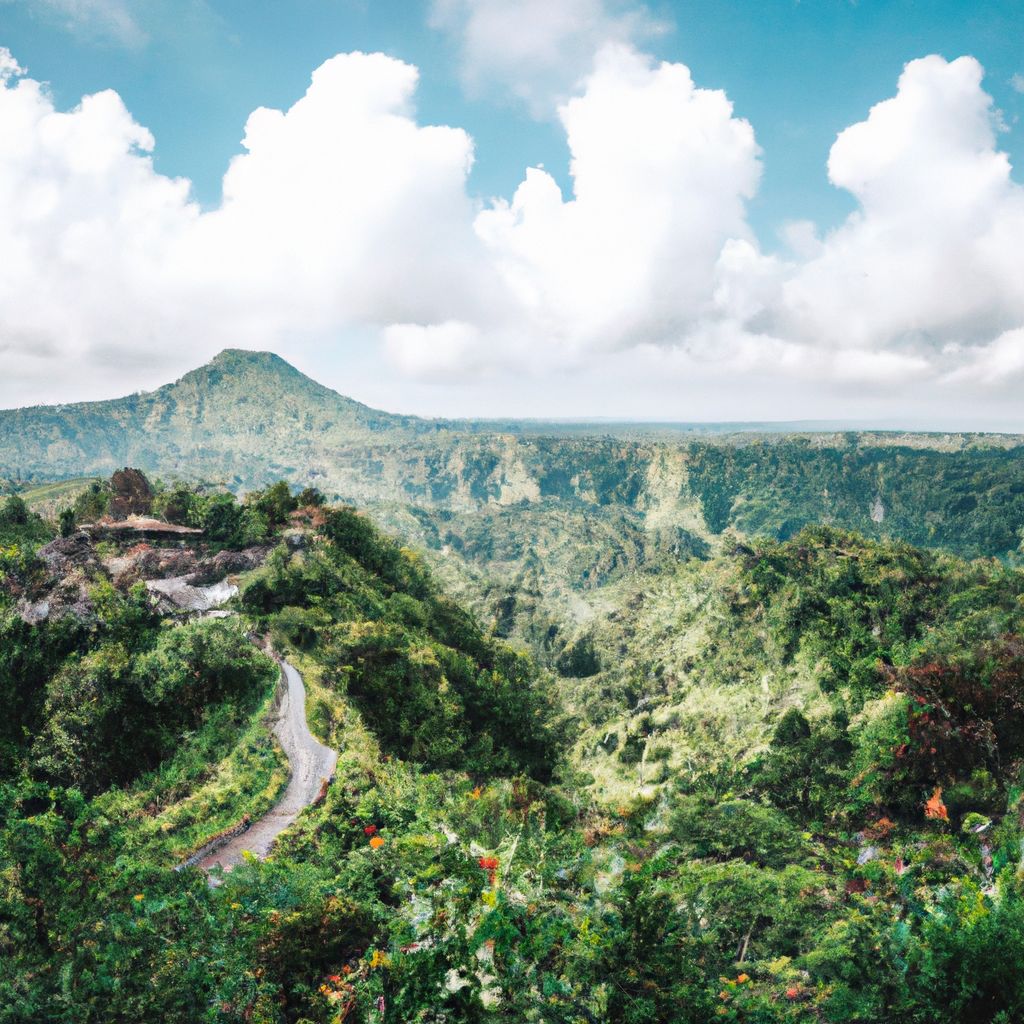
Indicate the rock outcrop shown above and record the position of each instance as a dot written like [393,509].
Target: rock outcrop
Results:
[180,580]
[132,494]
[70,570]
[177,595]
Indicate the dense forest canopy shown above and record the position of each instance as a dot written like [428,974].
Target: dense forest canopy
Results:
[774,780]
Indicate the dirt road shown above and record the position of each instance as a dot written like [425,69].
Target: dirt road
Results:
[311,762]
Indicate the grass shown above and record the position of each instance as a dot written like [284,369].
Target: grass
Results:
[47,499]
[230,767]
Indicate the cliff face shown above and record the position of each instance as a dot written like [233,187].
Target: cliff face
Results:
[249,418]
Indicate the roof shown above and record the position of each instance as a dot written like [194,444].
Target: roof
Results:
[138,524]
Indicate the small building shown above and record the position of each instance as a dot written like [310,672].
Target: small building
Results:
[139,528]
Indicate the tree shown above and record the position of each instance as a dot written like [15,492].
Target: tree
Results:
[14,512]
[66,520]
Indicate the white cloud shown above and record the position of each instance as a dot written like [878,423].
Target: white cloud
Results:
[999,364]
[344,218]
[1017,82]
[345,209]
[85,226]
[661,171]
[342,211]
[535,49]
[933,253]
[9,67]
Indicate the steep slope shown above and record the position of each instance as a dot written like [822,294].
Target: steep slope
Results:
[249,418]
[807,763]
[240,405]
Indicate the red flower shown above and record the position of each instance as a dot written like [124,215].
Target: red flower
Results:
[490,865]
[792,993]
[370,830]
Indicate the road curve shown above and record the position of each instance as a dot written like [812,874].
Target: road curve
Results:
[311,763]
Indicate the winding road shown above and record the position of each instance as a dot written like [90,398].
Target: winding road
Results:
[311,764]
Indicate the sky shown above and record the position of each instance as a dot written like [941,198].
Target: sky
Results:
[714,210]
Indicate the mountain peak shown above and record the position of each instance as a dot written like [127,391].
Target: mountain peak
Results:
[241,358]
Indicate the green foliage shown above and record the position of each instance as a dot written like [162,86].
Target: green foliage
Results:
[579,659]
[178,504]
[66,520]
[13,512]
[310,497]
[427,681]
[805,765]
[93,503]
[163,687]
[735,829]
[273,505]
[969,501]
[776,861]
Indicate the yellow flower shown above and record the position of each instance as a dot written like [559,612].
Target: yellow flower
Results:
[139,897]
[476,793]
[379,959]
[236,906]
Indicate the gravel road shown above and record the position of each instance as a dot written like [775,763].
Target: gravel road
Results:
[311,762]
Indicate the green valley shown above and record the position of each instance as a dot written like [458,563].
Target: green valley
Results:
[635,725]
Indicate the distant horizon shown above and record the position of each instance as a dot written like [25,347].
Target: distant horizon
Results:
[791,426]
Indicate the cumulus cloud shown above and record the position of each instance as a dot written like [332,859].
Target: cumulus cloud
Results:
[345,217]
[661,171]
[9,67]
[85,224]
[933,253]
[999,364]
[341,211]
[534,49]
[344,209]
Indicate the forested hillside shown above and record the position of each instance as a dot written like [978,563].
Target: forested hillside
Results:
[248,419]
[770,781]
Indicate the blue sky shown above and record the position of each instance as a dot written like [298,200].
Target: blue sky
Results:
[714,272]
[799,71]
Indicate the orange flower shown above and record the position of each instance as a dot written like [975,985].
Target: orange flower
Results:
[743,979]
[376,842]
[935,808]
[490,865]
[476,793]
[792,993]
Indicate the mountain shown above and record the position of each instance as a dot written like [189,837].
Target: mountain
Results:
[240,406]
[509,492]
[749,754]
